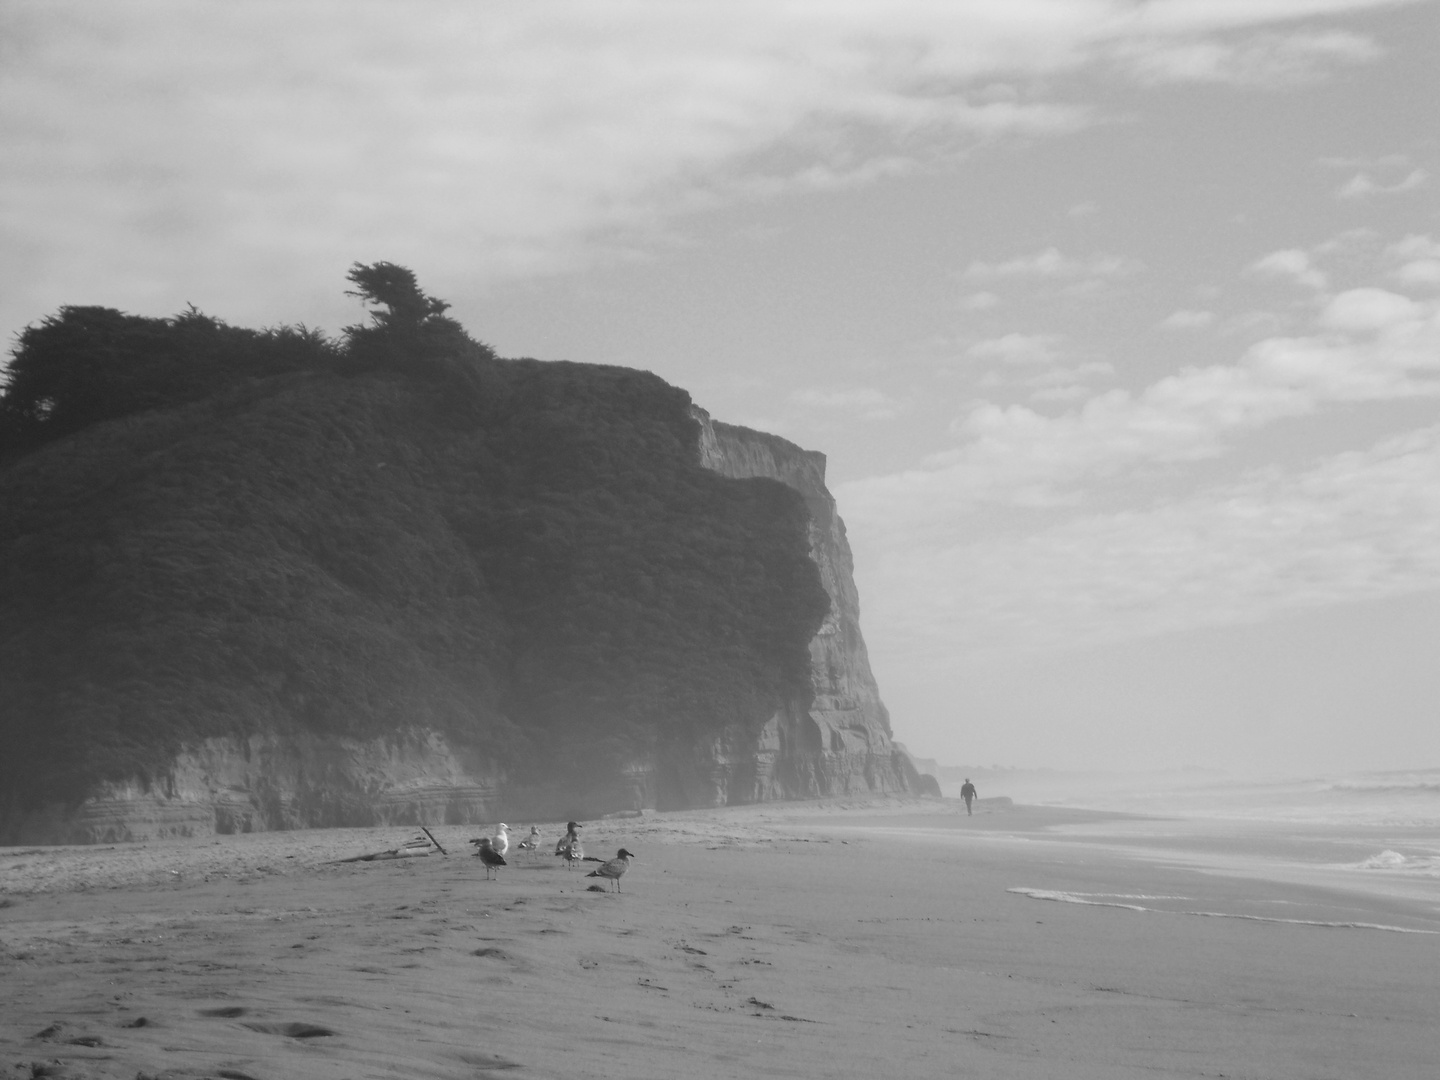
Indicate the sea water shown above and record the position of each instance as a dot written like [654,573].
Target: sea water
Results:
[1357,850]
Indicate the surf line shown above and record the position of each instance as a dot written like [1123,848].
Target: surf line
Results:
[1077,898]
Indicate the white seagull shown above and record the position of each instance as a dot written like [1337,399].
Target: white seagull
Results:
[501,840]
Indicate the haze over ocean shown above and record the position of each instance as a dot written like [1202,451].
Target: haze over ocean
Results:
[1367,845]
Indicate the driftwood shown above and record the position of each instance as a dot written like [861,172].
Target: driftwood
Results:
[413,848]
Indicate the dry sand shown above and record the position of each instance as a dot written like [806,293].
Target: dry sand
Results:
[866,939]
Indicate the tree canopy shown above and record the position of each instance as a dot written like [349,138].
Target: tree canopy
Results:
[406,324]
[87,364]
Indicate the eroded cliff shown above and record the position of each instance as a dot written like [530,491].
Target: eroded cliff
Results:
[412,589]
[841,742]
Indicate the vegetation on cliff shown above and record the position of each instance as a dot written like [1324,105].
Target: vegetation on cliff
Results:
[207,530]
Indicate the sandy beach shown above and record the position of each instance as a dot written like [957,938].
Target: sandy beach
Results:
[844,939]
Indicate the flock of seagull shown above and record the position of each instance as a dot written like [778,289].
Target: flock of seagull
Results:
[492,850]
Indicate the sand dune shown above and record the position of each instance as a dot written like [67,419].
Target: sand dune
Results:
[840,939]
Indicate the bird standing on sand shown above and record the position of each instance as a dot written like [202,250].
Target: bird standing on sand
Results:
[531,844]
[501,840]
[492,859]
[614,868]
[569,847]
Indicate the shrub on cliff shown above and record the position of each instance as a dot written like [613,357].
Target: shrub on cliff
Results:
[85,365]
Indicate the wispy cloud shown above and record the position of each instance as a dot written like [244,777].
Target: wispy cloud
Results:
[1363,185]
[863,402]
[1268,59]
[1017,348]
[1187,319]
[983,300]
[1041,529]
[1364,344]
[156,152]
[1417,260]
[1049,263]
[1369,345]
[1354,526]
[1293,264]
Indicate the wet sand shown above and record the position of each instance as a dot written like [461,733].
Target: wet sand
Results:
[844,939]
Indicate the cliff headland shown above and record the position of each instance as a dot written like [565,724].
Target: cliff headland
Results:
[263,579]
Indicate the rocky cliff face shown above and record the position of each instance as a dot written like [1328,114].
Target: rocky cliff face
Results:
[842,741]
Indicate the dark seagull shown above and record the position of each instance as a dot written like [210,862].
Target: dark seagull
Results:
[613,869]
[492,859]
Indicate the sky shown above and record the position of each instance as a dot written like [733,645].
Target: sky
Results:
[1117,320]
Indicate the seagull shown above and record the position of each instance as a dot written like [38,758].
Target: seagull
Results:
[492,859]
[501,840]
[569,847]
[614,868]
[531,843]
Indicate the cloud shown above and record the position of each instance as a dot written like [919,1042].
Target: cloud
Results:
[1367,345]
[1050,264]
[1016,348]
[1187,320]
[1354,526]
[1363,185]
[1291,263]
[1414,246]
[979,301]
[1419,273]
[1419,262]
[864,402]
[1265,60]
[157,153]
[1368,310]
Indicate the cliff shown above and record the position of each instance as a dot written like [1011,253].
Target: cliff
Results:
[321,587]
[841,742]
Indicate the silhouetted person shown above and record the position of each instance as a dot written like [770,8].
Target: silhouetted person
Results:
[967,792]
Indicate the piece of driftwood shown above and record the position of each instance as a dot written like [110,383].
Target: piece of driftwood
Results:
[413,848]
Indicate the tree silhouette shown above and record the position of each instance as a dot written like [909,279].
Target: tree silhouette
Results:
[407,324]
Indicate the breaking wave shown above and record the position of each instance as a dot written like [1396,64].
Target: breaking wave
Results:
[1119,900]
[1421,865]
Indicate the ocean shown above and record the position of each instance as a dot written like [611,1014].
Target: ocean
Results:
[1356,850]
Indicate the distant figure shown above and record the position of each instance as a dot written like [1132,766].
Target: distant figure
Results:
[492,859]
[967,792]
[614,868]
[569,847]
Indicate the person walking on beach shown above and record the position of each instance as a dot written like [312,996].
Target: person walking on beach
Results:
[967,792]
